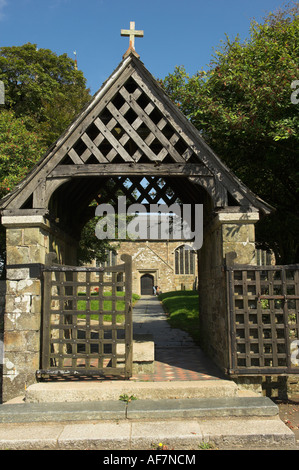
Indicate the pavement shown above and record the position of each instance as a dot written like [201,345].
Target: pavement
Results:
[185,403]
[177,357]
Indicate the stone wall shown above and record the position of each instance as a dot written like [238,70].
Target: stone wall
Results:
[229,236]
[157,259]
[28,240]
[2,309]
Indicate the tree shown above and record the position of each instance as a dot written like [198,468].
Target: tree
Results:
[20,149]
[242,105]
[43,94]
[90,247]
[43,86]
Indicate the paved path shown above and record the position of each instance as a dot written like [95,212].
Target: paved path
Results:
[177,357]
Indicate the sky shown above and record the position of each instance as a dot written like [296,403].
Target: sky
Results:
[176,32]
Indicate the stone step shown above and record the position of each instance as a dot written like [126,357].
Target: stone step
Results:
[138,409]
[184,434]
[232,422]
[111,390]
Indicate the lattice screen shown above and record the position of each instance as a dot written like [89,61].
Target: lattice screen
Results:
[264,310]
[87,324]
[131,128]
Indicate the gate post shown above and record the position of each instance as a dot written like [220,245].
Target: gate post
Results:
[231,233]
[128,315]
[26,245]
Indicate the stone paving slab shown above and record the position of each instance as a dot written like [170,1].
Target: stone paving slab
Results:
[256,433]
[130,435]
[30,436]
[99,436]
[179,435]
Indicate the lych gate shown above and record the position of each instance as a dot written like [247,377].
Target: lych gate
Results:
[128,132]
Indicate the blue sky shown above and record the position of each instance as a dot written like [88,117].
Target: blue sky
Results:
[176,32]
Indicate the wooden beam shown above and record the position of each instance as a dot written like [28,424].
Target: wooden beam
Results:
[126,169]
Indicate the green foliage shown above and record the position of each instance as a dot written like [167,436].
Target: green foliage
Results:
[126,398]
[42,86]
[43,94]
[90,247]
[20,149]
[182,310]
[107,305]
[242,106]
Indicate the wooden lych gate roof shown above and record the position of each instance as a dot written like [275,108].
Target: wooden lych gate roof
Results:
[129,129]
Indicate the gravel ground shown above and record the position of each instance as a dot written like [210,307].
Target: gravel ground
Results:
[289,414]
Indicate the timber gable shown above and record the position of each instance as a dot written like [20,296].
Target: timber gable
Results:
[130,129]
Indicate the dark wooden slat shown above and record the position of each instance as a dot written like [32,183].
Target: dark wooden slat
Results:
[93,149]
[46,320]
[126,169]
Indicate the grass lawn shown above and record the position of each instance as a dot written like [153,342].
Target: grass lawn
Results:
[107,305]
[182,310]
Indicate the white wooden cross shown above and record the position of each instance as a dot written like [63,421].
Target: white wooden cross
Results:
[131,33]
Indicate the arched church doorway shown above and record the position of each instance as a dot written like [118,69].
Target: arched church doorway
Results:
[146,284]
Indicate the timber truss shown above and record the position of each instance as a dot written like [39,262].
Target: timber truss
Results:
[129,131]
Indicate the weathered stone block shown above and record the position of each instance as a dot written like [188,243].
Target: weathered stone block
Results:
[17,255]
[32,236]
[18,304]
[21,341]
[245,252]
[18,274]
[15,362]
[14,236]
[238,233]
[15,382]
[21,321]
[24,286]
[37,254]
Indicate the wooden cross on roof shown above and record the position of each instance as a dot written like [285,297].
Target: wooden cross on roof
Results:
[132,33]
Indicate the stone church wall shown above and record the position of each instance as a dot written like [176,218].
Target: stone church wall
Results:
[157,259]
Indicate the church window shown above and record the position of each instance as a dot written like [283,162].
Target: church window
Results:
[109,261]
[184,260]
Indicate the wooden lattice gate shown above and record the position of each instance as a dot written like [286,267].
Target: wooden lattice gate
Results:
[87,321]
[264,319]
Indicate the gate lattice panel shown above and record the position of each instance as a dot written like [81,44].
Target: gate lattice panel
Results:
[264,309]
[87,321]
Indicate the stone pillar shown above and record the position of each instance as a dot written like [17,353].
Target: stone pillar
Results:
[238,236]
[27,242]
[230,234]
